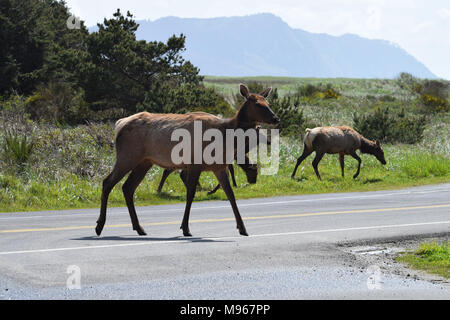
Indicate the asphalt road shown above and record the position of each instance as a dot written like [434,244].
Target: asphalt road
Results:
[295,249]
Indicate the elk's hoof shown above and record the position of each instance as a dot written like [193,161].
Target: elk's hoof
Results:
[187,234]
[140,231]
[98,229]
[243,232]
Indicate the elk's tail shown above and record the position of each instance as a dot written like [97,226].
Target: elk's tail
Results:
[119,126]
[309,138]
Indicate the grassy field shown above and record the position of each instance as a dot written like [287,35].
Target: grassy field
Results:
[430,257]
[406,167]
[67,164]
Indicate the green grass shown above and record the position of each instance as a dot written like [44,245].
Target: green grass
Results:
[429,257]
[407,166]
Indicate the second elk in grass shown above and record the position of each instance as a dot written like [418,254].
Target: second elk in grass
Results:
[338,140]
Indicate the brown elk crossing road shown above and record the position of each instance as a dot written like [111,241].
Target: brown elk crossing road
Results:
[295,249]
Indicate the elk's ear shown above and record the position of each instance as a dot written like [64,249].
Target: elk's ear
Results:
[244,91]
[378,143]
[266,92]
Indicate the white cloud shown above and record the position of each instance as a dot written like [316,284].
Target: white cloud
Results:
[444,13]
[422,26]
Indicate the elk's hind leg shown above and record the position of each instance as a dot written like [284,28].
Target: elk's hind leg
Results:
[231,168]
[319,156]
[354,155]
[108,184]
[233,178]
[166,174]
[130,186]
[306,154]
[341,160]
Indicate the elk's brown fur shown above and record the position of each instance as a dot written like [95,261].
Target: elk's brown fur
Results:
[341,140]
[144,140]
[250,169]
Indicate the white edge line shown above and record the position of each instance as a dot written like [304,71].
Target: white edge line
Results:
[222,238]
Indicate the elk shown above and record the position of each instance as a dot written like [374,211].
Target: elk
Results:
[341,140]
[145,139]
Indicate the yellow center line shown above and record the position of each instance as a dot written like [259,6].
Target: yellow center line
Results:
[281,216]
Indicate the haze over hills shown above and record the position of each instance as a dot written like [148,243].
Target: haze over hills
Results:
[264,45]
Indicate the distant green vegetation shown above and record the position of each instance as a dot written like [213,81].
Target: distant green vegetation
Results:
[430,257]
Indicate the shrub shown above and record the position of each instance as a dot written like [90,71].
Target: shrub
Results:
[407,81]
[58,103]
[186,98]
[292,119]
[434,104]
[434,96]
[308,90]
[17,148]
[391,127]
[330,93]
[311,91]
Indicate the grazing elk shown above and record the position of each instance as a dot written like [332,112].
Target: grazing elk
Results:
[338,140]
[145,139]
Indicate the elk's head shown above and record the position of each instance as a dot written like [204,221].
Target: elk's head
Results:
[257,109]
[251,171]
[379,153]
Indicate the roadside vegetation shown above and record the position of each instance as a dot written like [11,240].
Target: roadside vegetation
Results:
[430,257]
[58,113]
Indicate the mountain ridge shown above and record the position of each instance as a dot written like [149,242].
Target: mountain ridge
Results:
[265,45]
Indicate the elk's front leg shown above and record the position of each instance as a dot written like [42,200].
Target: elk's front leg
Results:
[222,176]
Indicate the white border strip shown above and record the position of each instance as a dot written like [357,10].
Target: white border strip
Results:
[184,240]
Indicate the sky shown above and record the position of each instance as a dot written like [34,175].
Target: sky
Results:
[421,27]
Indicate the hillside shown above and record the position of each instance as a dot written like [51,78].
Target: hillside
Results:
[263,44]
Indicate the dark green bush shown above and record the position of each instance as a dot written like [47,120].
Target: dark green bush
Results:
[292,119]
[58,102]
[186,98]
[308,90]
[391,127]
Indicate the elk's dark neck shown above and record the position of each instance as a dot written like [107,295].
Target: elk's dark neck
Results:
[367,146]
[242,119]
